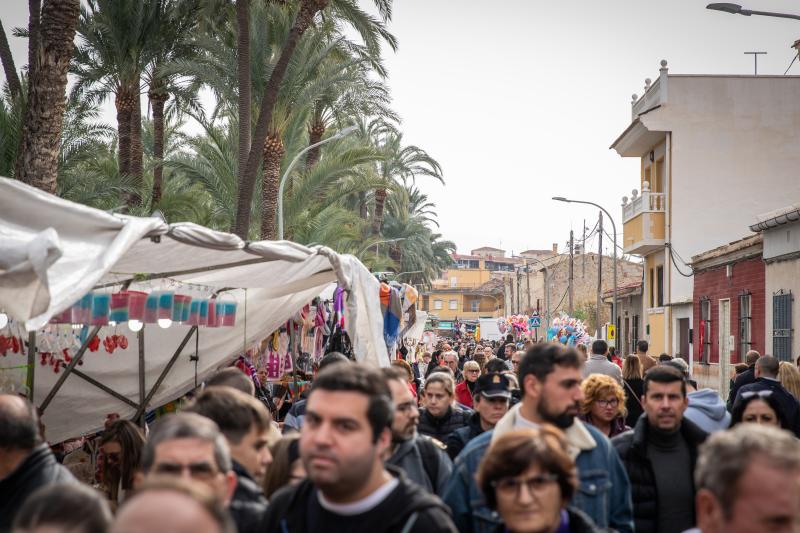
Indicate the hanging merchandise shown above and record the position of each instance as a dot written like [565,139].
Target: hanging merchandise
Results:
[151,308]
[119,307]
[391,307]
[136,305]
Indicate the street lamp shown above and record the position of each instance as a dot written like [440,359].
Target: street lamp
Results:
[736,9]
[335,136]
[614,226]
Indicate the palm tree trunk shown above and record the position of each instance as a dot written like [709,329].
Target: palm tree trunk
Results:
[124,104]
[377,218]
[34,18]
[37,161]
[245,85]
[137,151]
[247,179]
[9,68]
[273,153]
[158,99]
[315,133]
[362,205]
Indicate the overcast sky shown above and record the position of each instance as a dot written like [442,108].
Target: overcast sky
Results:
[519,100]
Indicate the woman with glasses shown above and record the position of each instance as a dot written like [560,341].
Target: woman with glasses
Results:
[466,389]
[529,479]
[122,445]
[604,404]
[758,407]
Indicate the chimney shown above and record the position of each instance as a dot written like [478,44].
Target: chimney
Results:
[555,248]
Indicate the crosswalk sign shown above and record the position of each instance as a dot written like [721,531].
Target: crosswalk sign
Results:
[535,322]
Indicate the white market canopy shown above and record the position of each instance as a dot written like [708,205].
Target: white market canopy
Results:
[52,252]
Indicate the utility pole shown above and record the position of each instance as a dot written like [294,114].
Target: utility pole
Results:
[528,283]
[519,282]
[571,258]
[583,251]
[599,273]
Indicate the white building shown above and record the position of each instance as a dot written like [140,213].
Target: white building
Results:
[714,151]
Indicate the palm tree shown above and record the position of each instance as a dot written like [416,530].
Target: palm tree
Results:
[9,68]
[372,32]
[37,161]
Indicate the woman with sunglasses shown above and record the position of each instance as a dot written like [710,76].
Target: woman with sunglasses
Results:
[529,479]
[758,407]
[603,404]
[466,389]
[122,445]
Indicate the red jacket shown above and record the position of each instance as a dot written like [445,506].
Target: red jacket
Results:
[463,396]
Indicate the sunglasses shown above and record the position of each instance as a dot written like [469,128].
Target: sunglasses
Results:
[759,393]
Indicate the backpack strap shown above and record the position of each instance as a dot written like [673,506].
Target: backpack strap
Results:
[410,522]
[430,460]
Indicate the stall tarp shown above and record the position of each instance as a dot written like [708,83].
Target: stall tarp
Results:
[415,332]
[53,251]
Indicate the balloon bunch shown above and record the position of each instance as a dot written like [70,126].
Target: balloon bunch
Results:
[516,325]
[569,331]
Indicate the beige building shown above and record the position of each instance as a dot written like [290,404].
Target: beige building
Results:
[713,152]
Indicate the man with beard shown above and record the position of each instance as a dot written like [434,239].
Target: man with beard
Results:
[550,378]
[421,458]
[660,455]
[346,434]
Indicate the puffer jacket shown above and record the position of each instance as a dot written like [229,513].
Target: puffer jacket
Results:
[441,428]
[632,449]
[248,504]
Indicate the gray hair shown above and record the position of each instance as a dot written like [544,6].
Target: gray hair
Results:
[679,364]
[726,455]
[187,426]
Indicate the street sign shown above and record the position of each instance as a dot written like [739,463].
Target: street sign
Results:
[536,322]
[611,333]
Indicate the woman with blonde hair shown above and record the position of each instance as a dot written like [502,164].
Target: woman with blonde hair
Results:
[603,404]
[466,389]
[632,380]
[789,376]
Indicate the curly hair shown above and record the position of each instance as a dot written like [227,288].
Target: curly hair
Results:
[598,386]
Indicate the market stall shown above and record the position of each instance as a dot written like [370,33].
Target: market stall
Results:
[53,253]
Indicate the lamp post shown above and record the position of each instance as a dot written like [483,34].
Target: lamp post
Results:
[335,136]
[614,226]
[736,9]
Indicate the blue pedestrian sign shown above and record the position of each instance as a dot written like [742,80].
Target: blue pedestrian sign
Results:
[535,322]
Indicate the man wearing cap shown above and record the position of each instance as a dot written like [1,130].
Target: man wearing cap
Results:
[491,399]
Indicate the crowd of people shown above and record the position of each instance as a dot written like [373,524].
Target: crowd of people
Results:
[517,437]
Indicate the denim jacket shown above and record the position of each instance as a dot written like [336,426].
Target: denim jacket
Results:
[603,492]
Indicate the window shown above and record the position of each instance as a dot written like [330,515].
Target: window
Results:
[705,331]
[453,305]
[476,306]
[652,283]
[782,325]
[453,281]
[634,332]
[437,304]
[660,285]
[745,331]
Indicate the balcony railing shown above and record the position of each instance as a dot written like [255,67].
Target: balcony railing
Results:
[647,202]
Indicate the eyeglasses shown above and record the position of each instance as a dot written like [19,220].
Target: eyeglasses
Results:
[202,471]
[510,486]
[613,402]
[759,393]
[474,371]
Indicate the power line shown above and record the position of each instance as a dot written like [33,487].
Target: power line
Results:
[790,64]
[677,268]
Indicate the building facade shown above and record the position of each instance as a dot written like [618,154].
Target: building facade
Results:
[705,145]
[781,233]
[728,310]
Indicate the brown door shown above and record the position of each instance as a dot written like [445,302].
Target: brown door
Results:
[683,338]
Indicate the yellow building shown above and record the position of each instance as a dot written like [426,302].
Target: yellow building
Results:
[470,289]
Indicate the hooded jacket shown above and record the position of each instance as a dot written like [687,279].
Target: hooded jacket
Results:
[603,488]
[37,470]
[707,411]
[408,509]
[433,473]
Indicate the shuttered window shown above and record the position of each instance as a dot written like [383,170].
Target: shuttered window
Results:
[782,325]
[745,327]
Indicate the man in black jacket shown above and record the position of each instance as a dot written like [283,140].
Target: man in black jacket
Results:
[491,400]
[245,424]
[660,454]
[26,463]
[766,373]
[439,418]
[345,436]
[745,378]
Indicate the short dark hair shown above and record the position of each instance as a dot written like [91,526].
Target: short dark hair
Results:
[365,380]
[235,412]
[331,359]
[751,357]
[642,346]
[664,374]
[769,365]
[599,347]
[664,357]
[234,378]
[394,372]
[515,452]
[19,422]
[541,359]
[495,365]
[56,505]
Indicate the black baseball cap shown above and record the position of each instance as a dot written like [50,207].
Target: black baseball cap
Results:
[493,385]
